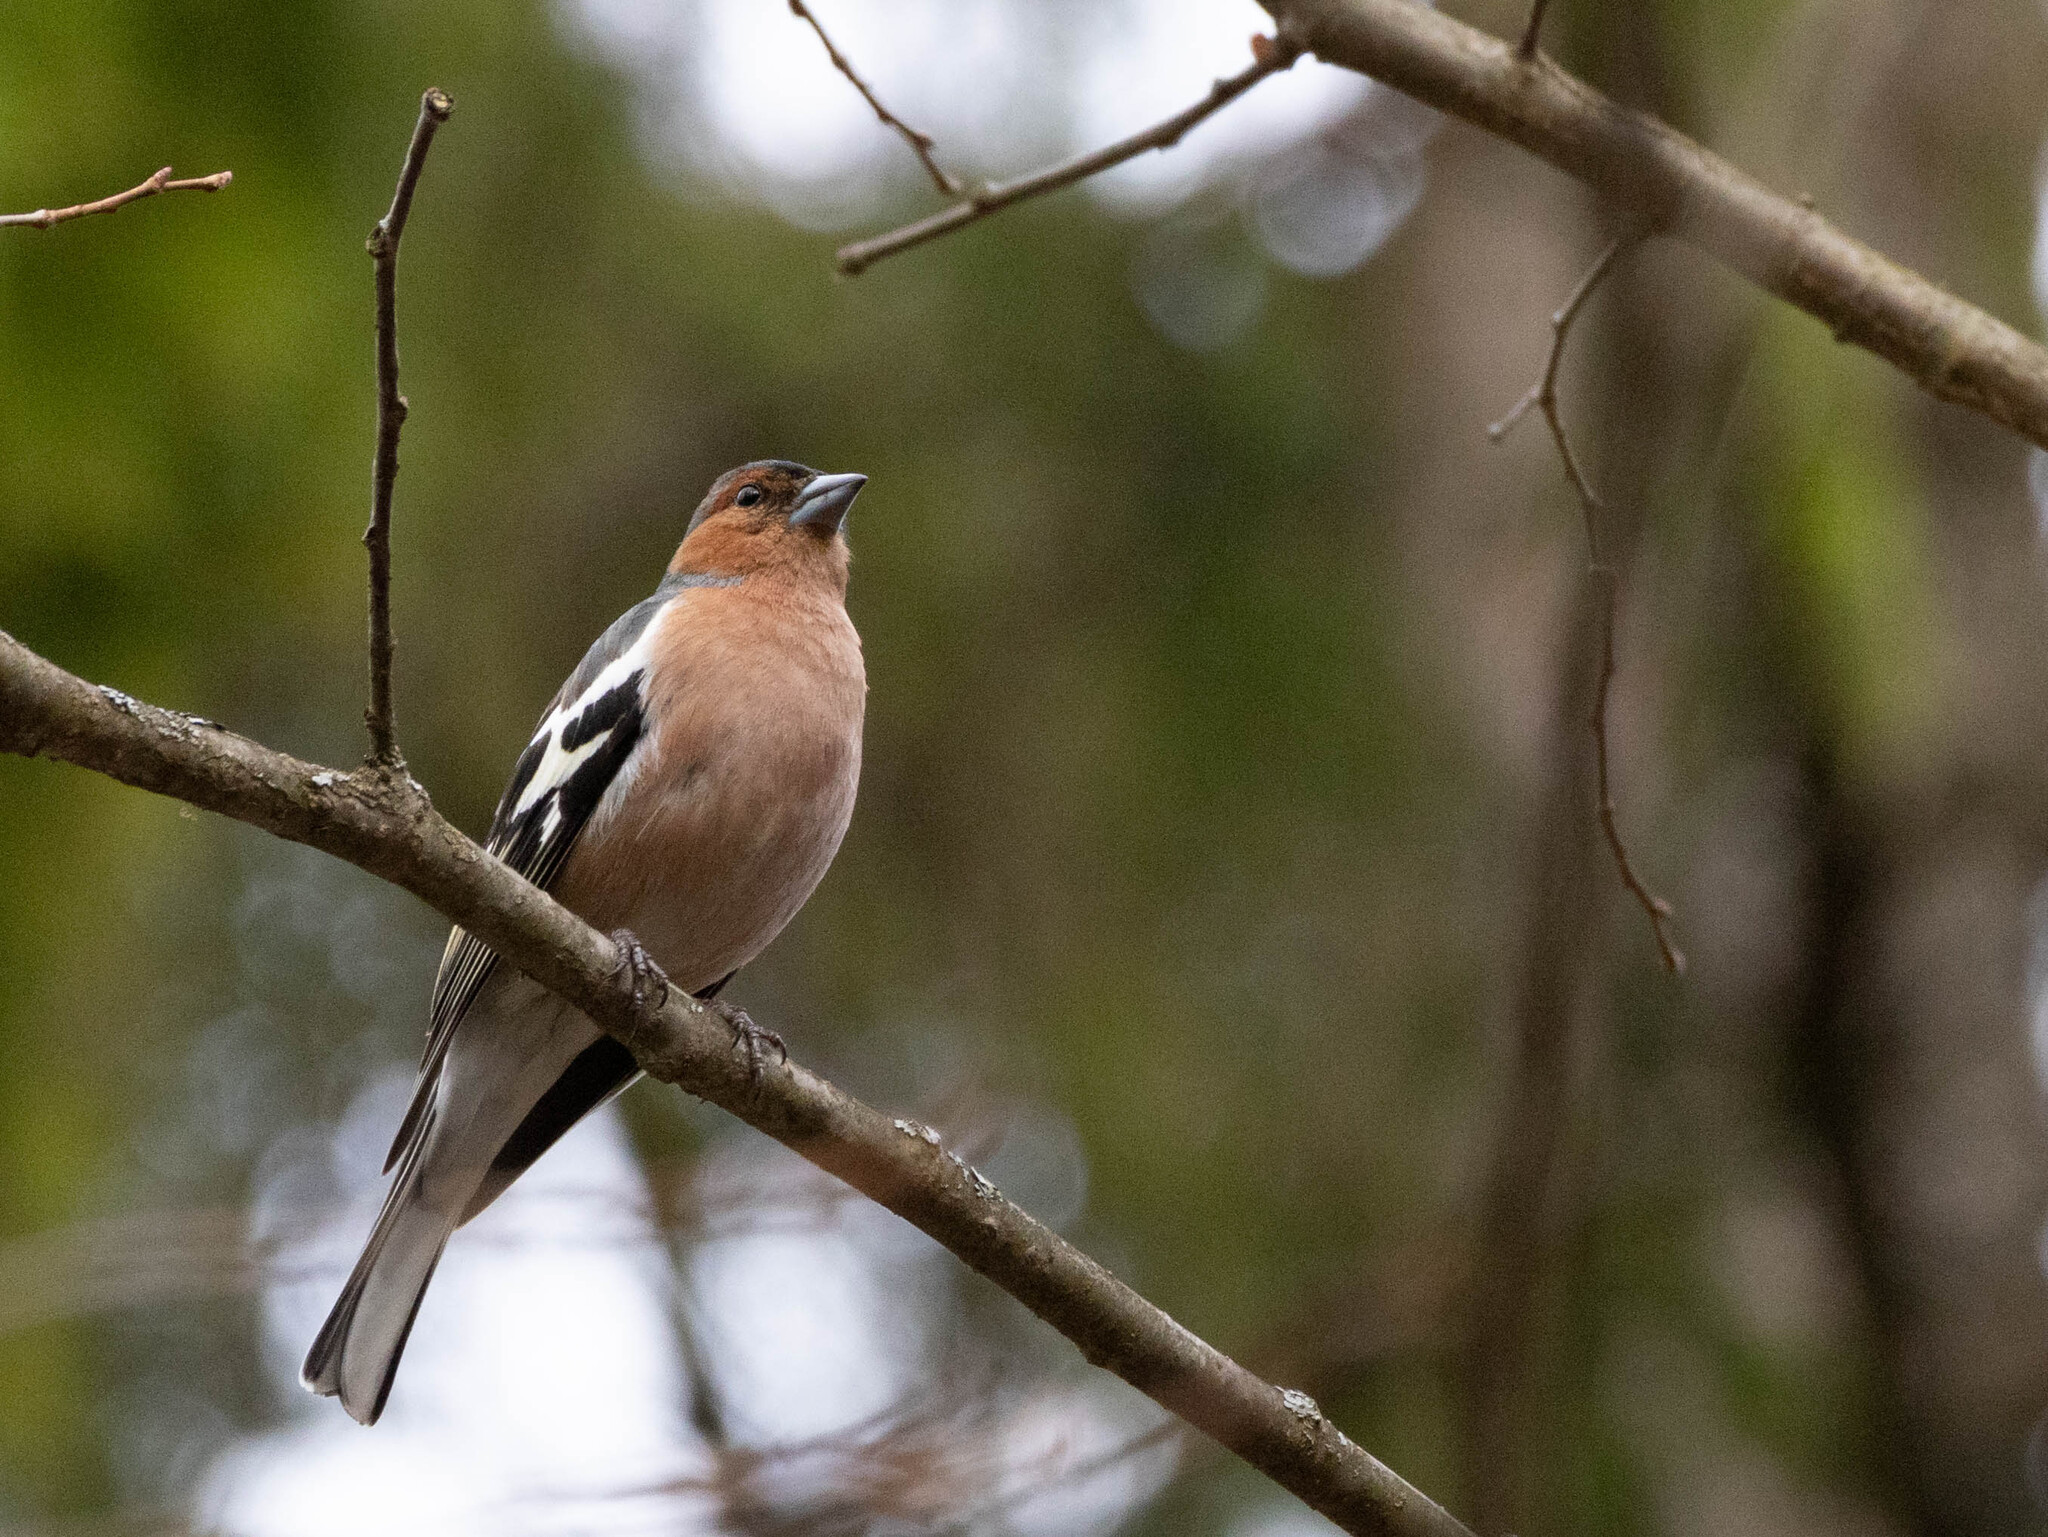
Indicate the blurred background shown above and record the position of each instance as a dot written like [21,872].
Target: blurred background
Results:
[1225,880]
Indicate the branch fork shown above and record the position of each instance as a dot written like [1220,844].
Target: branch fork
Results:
[1542,395]
[1532,31]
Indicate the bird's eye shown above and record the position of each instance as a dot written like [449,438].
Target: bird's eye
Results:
[748,496]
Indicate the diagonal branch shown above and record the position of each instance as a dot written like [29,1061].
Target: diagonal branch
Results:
[43,218]
[921,144]
[1543,396]
[1269,57]
[381,822]
[1670,185]
[391,411]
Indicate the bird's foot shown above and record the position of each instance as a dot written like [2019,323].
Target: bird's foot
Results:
[638,967]
[749,1038]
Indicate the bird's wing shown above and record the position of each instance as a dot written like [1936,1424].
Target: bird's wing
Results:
[583,743]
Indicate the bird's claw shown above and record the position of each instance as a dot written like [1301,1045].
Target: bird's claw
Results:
[750,1038]
[639,967]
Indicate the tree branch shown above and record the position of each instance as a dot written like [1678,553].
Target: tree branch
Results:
[381,822]
[921,144]
[1670,185]
[43,218]
[1532,30]
[1666,182]
[1269,57]
[1543,395]
[391,411]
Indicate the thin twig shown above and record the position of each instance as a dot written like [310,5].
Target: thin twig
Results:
[1269,57]
[1658,910]
[921,144]
[435,106]
[1543,396]
[1532,30]
[43,218]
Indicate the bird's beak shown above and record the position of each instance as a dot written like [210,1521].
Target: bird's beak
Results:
[824,502]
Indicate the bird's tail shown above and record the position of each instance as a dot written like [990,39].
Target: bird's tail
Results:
[355,1355]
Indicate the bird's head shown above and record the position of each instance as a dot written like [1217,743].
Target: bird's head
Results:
[771,514]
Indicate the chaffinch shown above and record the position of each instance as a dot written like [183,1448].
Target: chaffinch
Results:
[687,789]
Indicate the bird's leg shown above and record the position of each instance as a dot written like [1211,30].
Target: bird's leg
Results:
[748,1037]
[639,968]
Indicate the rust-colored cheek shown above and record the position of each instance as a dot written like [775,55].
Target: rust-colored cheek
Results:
[731,544]
[718,545]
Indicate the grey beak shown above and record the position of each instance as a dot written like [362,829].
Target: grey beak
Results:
[824,502]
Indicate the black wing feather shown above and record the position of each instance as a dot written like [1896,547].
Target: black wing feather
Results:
[537,840]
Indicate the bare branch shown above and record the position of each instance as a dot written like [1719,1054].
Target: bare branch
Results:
[435,106]
[1543,396]
[921,144]
[1532,30]
[43,218]
[381,822]
[1670,185]
[1269,57]
[1543,393]
[1657,909]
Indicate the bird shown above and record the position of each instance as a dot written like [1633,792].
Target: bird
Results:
[686,790]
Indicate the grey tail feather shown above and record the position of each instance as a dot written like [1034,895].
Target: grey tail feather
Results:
[396,1264]
[601,1070]
[412,1130]
[534,1136]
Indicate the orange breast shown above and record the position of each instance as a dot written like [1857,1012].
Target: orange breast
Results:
[729,814]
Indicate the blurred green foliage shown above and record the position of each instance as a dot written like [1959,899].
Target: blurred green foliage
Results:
[1199,735]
